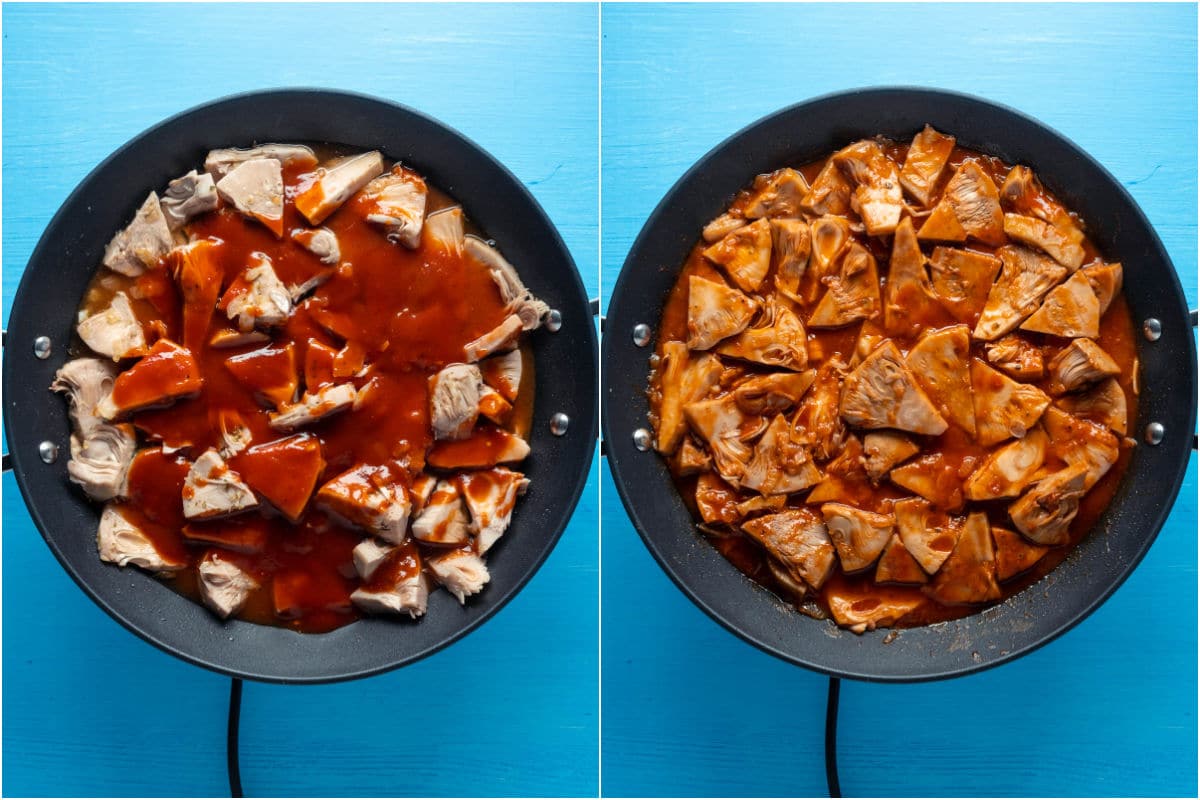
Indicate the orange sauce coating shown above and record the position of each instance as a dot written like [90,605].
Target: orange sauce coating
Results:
[1117,338]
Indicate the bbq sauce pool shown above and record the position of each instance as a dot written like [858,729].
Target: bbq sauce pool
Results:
[407,312]
[1117,338]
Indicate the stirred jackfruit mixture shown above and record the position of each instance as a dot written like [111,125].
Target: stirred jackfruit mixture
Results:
[894,385]
[301,389]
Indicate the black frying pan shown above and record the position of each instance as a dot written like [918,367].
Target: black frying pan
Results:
[1029,619]
[70,251]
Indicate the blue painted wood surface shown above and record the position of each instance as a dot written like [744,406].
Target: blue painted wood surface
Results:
[1110,708]
[90,709]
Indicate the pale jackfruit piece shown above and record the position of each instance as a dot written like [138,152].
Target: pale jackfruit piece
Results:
[101,452]
[939,363]
[942,225]
[882,393]
[975,201]
[255,189]
[934,478]
[969,574]
[1105,280]
[1045,237]
[883,450]
[1017,357]
[219,163]
[121,541]
[865,613]
[830,192]
[777,339]
[962,280]
[1081,443]
[819,415]
[929,536]
[1007,471]
[722,226]
[924,164]
[716,500]
[853,293]
[779,196]
[114,332]
[1080,364]
[335,183]
[877,197]
[797,539]
[1014,554]
[211,489]
[691,459]
[1071,309]
[781,463]
[779,391]
[828,237]
[1104,404]
[858,535]
[870,336]
[1022,192]
[745,254]
[224,586]
[722,426]
[897,565]
[1003,407]
[140,244]
[454,401]
[715,312]
[1044,513]
[462,573]
[1025,278]
[686,378]
[791,249]
[908,287]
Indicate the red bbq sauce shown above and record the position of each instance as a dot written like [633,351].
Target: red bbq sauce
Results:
[386,319]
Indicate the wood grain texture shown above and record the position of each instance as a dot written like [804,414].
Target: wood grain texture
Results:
[90,709]
[1108,709]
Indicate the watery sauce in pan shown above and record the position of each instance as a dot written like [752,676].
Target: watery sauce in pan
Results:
[1117,338]
[407,313]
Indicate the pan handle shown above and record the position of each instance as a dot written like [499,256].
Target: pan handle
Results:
[3,339]
[1192,317]
[594,307]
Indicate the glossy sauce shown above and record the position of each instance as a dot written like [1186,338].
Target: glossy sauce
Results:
[959,452]
[404,314]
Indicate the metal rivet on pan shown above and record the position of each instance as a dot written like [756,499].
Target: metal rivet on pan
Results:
[41,347]
[641,334]
[641,439]
[553,320]
[1155,432]
[559,423]
[1152,329]
[48,451]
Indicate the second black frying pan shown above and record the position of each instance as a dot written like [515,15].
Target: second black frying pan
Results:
[1092,572]
[68,254]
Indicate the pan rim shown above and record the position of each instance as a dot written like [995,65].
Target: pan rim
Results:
[618,451]
[571,286]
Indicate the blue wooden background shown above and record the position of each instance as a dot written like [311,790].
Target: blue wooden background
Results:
[90,709]
[1108,709]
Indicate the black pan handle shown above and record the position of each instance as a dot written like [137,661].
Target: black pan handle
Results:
[594,307]
[1192,318]
[3,339]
